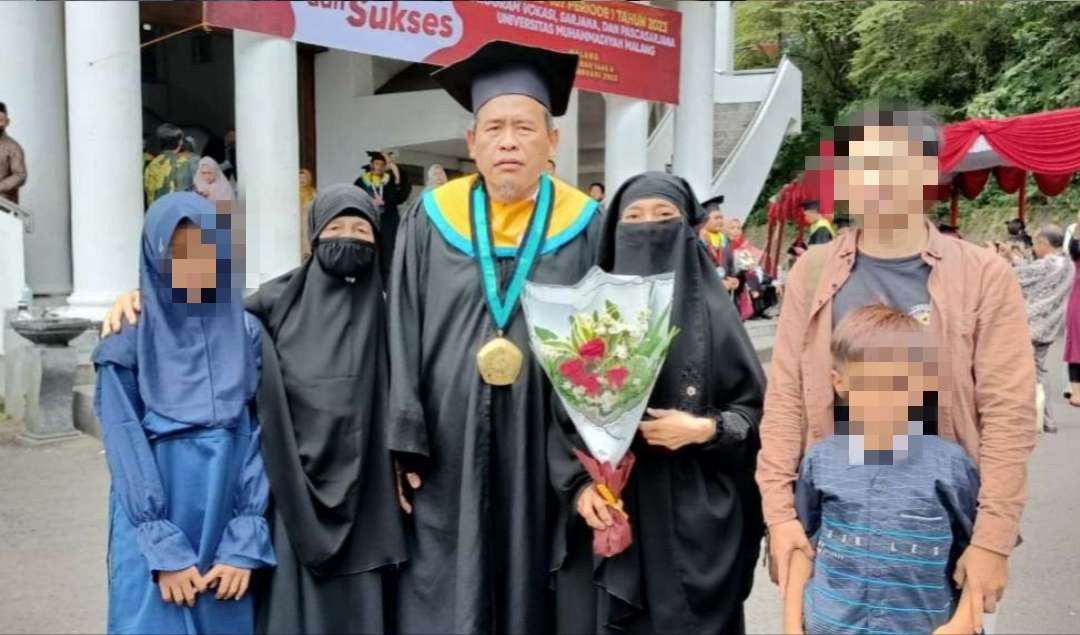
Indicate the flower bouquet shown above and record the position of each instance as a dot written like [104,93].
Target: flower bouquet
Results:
[602,343]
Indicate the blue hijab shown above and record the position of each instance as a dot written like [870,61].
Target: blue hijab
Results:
[195,362]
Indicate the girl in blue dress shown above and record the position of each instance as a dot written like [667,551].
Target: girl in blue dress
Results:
[186,524]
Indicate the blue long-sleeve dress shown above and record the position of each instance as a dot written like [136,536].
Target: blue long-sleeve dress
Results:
[183,494]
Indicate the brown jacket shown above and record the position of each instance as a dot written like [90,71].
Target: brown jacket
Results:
[987,395]
[12,168]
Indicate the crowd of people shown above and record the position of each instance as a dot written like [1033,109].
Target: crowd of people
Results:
[333,443]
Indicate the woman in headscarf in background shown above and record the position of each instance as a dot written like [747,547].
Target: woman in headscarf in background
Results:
[436,176]
[691,498]
[210,182]
[336,523]
[307,195]
[174,394]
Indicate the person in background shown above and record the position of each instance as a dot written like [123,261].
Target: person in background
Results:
[1016,232]
[842,222]
[1045,282]
[307,195]
[229,164]
[12,160]
[175,399]
[755,293]
[172,170]
[716,242]
[966,296]
[210,182]
[382,179]
[1072,318]
[436,176]
[695,510]
[597,191]
[819,229]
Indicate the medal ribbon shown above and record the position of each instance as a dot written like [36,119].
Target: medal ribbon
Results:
[502,309]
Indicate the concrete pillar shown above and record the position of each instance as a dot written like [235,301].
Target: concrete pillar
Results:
[725,37]
[626,138]
[694,115]
[105,146]
[566,159]
[36,96]
[268,149]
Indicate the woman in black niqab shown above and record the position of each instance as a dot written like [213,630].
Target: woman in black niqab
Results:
[336,524]
[692,500]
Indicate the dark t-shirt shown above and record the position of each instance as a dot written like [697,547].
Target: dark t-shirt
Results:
[897,282]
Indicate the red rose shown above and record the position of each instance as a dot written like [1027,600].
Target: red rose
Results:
[593,349]
[574,370]
[591,385]
[617,377]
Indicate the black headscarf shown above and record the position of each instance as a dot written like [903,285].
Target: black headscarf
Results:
[322,406]
[696,512]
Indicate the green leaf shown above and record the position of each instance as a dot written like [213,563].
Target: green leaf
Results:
[545,335]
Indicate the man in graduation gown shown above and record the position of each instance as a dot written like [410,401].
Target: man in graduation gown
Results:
[383,181]
[820,230]
[471,448]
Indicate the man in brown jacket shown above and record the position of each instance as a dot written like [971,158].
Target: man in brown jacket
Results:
[12,165]
[967,296]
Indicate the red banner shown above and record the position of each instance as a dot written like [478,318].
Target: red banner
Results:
[626,49]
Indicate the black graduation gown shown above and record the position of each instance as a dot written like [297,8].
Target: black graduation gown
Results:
[820,236]
[695,513]
[478,545]
[394,194]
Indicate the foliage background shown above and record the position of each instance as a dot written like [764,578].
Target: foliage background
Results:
[958,58]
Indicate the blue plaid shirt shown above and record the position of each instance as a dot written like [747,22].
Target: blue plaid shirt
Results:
[887,536]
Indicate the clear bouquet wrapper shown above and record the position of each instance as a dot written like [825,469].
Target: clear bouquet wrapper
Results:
[602,343]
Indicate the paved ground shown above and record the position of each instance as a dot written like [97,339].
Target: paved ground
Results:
[53,532]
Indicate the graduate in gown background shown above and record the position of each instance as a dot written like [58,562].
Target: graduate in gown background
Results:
[692,501]
[173,395]
[388,186]
[336,523]
[473,453]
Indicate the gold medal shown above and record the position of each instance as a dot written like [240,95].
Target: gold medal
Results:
[499,361]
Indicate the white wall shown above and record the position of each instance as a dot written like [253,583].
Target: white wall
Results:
[349,120]
[34,89]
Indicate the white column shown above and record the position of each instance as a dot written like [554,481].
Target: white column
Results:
[105,145]
[566,158]
[626,138]
[725,37]
[268,152]
[36,97]
[694,115]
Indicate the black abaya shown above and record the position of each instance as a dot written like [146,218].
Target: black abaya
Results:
[695,512]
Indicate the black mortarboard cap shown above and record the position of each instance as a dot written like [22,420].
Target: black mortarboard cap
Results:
[715,201]
[375,155]
[504,68]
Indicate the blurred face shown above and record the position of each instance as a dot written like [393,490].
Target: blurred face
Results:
[884,178]
[3,121]
[207,173]
[230,137]
[650,210]
[193,263]
[596,193]
[733,228]
[1041,247]
[879,392]
[356,227]
[511,146]
[438,175]
[378,166]
[305,179]
[715,221]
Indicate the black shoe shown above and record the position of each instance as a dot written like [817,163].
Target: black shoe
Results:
[1051,429]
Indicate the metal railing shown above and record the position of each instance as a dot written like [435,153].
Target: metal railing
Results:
[21,213]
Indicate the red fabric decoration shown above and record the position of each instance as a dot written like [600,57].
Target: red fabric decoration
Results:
[1052,184]
[615,539]
[1009,179]
[1042,142]
[971,183]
